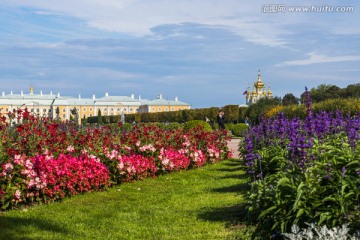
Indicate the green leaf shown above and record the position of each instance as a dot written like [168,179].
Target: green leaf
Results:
[267,211]
[323,217]
[283,182]
[300,212]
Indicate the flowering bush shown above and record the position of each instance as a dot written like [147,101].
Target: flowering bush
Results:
[43,160]
[304,171]
[43,178]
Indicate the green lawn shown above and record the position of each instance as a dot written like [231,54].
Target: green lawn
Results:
[203,203]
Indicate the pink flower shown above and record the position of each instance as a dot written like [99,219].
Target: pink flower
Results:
[8,167]
[17,194]
[70,148]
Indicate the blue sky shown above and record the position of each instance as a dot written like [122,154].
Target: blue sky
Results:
[205,52]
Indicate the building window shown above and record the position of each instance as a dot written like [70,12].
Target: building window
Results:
[32,110]
[159,109]
[172,109]
[124,109]
[153,109]
[90,115]
[118,109]
[63,115]
[84,116]
[111,109]
[131,109]
[49,110]
[37,110]
[64,110]
[90,109]
[44,110]
[166,109]
[84,109]
[6,110]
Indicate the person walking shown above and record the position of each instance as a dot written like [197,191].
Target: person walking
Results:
[221,120]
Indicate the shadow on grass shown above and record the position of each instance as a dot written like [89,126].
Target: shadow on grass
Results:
[233,163]
[18,228]
[239,188]
[233,169]
[231,216]
[237,176]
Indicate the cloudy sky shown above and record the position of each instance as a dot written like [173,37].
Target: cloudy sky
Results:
[206,52]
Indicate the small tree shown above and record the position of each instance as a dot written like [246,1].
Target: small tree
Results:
[57,113]
[99,117]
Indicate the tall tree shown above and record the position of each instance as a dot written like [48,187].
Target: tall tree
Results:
[290,99]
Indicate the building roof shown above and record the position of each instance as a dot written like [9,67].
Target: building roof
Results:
[165,102]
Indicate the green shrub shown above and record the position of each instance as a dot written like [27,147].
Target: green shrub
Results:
[239,129]
[195,123]
[172,126]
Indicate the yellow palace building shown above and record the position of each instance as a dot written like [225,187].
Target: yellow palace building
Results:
[57,106]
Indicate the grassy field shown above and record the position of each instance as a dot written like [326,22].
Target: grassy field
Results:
[197,204]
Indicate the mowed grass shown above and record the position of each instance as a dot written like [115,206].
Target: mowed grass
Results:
[201,203]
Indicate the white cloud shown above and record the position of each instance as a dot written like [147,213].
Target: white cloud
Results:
[316,59]
[136,17]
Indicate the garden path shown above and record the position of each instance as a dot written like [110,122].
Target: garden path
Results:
[233,145]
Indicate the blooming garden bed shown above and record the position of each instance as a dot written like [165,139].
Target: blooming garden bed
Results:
[304,172]
[42,160]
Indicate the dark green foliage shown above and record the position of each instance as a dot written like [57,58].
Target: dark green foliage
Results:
[99,117]
[325,91]
[196,123]
[255,111]
[290,99]
[231,113]
[242,113]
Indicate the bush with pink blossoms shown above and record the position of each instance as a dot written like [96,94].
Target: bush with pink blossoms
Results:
[42,160]
[44,179]
[172,160]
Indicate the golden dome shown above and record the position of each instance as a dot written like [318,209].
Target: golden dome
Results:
[259,83]
[254,93]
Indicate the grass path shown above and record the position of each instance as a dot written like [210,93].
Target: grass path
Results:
[197,204]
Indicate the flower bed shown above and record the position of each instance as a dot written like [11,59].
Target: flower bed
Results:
[42,160]
[304,171]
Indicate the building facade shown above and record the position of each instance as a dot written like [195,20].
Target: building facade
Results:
[61,107]
[258,91]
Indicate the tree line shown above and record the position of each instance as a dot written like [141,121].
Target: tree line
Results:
[234,113]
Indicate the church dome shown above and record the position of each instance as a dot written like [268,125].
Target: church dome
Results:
[259,83]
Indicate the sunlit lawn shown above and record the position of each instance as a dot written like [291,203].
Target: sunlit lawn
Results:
[197,204]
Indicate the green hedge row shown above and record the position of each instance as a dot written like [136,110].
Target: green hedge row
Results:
[346,106]
[233,114]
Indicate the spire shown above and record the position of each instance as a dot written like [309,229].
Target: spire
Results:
[31,90]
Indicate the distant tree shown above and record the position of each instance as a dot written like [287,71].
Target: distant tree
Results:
[231,113]
[352,90]
[186,115]
[256,111]
[323,92]
[289,99]
[99,117]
